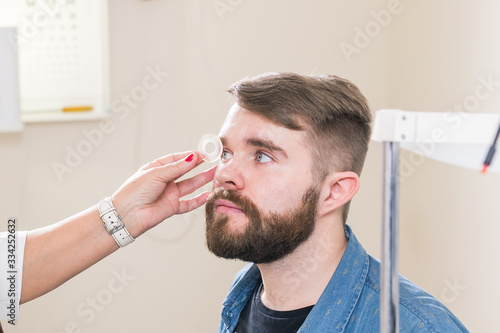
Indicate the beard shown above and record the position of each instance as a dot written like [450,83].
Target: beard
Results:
[267,237]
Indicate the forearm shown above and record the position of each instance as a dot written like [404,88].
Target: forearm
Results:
[56,253]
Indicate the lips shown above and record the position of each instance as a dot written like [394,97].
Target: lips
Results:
[226,206]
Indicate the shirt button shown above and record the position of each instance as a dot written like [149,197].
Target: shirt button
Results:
[229,314]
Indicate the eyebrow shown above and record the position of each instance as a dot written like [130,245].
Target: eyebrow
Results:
[263,143]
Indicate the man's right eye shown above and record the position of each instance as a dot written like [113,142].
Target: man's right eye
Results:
[225,155]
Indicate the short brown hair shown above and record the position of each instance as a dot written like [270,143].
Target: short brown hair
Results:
[331,109]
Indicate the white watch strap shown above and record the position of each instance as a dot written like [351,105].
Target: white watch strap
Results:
[109,216]
[113,223]
[122,237]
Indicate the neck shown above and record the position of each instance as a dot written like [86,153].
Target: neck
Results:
[298,279]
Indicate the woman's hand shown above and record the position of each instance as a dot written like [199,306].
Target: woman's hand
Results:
[152,194]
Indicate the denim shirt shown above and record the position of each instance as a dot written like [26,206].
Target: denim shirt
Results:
[351,300]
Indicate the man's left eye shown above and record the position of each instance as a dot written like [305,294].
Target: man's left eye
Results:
[263,158]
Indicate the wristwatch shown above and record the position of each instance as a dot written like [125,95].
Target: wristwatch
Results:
[113,223]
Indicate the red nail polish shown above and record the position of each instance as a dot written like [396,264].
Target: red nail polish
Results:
[189,158]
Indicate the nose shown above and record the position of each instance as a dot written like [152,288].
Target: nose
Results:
[229,176]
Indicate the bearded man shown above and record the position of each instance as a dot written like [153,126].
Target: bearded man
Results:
[294,147]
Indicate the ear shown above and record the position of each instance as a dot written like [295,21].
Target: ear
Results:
[337,190]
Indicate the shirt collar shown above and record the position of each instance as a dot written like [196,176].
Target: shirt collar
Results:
[337,302]
[335,305]
[241,290]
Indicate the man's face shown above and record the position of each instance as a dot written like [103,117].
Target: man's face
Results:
[264,202]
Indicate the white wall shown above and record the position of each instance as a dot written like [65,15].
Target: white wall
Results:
[427,57]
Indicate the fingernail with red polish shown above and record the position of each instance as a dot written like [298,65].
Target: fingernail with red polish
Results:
[189,158]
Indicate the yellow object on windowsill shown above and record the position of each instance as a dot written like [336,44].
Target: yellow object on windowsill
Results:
[82,108]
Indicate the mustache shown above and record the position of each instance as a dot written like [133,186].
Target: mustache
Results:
[246,205]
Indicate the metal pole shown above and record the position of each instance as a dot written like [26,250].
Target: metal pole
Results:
[389,281]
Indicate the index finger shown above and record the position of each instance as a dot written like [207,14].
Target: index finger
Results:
[168,159]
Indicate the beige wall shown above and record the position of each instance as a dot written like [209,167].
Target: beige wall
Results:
[449,216]
[427,57]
